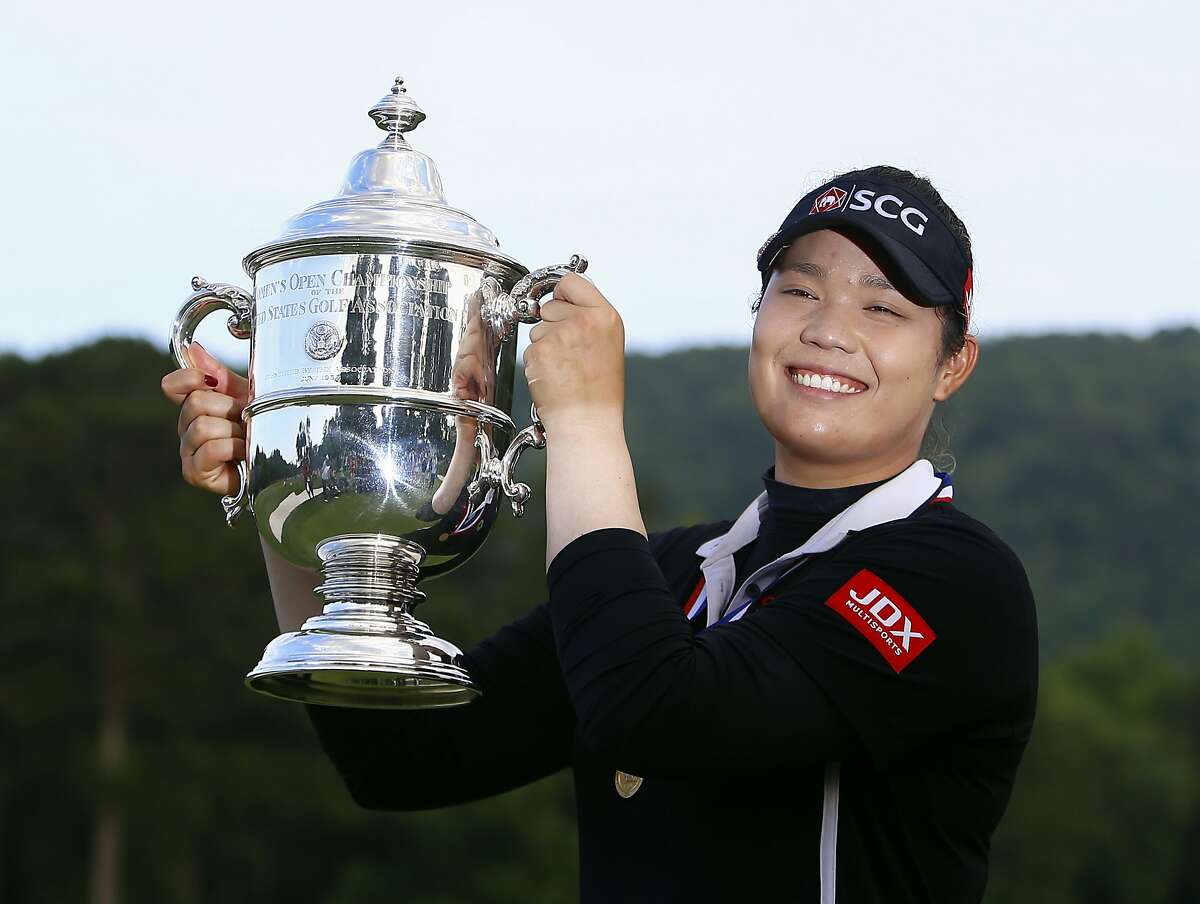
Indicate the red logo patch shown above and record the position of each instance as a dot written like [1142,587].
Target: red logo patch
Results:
[883,617]
[830,199]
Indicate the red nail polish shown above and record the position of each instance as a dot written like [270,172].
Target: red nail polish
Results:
[210,380]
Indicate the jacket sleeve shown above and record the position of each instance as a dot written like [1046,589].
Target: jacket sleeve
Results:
[519,730]
[797,681]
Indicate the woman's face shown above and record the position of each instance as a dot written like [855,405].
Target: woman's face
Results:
[829,314]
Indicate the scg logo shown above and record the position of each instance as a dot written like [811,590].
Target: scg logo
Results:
[891,207]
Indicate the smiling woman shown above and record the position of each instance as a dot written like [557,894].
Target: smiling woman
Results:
[825,698]
[850,292]
[844,369]
[821,669]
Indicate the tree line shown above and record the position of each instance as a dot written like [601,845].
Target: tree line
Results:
[134,766]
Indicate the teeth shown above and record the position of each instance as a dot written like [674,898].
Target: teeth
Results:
[826,382]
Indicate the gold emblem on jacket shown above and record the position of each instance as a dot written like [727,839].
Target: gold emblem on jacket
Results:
[627,785]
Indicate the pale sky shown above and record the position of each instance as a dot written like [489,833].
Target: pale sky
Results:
[145,143]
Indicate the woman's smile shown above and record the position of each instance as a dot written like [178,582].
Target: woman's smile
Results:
[824,384]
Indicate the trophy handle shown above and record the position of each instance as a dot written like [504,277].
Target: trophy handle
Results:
[503,311]
[205,299]
[494,471]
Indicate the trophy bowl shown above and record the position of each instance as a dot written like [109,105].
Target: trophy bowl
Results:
[379,435]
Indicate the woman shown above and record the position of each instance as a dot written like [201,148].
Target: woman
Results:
[823,700]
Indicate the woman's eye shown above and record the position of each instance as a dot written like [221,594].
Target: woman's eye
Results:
[884,308]
[799,293]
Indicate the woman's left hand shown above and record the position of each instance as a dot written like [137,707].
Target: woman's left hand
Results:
[575,362]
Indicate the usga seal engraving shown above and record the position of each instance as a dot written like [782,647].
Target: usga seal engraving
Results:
[322,340]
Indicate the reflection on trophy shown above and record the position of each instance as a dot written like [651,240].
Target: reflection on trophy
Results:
[379,436]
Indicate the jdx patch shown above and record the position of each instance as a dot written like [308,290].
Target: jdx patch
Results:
[884,617]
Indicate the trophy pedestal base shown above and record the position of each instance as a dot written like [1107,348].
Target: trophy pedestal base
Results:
[365,649]
[405,667]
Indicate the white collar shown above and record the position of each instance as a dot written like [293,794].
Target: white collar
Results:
[896,499]
[892,501]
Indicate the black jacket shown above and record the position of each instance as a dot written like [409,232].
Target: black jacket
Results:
[802,739]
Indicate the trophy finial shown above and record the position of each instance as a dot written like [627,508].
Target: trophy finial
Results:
[396,112]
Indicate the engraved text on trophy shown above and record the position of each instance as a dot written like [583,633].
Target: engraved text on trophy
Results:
[380,320]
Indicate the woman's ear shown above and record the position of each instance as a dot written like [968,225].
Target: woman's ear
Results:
[953,372]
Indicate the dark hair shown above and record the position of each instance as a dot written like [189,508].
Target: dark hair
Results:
[954,324]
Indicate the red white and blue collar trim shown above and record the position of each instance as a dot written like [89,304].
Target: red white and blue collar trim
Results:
[697,602]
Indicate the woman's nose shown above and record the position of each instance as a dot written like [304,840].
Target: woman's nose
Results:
[829,327]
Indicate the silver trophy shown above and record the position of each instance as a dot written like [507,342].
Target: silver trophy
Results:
[379,437]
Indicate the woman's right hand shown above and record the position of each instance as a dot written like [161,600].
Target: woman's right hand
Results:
[212,438]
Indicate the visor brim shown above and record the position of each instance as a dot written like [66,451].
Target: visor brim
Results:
[911,275]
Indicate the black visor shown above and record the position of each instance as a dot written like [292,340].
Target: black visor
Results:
[910,236]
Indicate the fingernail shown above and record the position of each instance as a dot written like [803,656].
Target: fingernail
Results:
[210,380]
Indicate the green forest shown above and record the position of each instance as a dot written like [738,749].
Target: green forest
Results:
[136,767]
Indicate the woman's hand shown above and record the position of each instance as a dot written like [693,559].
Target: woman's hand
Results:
[575,363]
[212,438]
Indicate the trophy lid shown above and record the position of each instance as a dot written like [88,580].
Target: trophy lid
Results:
[392,193]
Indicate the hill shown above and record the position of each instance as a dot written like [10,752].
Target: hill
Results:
[131,757]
